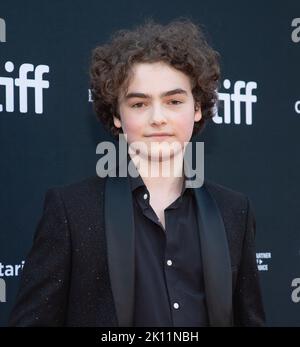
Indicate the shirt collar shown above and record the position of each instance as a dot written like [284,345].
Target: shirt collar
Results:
[136,182]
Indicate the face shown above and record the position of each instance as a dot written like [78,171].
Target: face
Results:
[158,107]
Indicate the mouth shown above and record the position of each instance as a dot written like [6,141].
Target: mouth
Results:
[159,136]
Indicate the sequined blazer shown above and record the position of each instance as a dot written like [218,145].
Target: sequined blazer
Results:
[80,270]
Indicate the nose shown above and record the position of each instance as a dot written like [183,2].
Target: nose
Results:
[157,116]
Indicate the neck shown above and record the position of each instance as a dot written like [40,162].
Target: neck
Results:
[161,177]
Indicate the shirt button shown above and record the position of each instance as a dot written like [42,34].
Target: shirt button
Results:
[169,262]
[176,305]
[145,196]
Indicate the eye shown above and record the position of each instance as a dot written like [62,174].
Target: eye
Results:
[137,105]
[175,102]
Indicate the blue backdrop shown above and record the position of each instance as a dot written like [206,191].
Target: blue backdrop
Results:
[49,133]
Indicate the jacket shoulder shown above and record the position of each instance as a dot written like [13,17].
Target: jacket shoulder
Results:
[226,197]
[82,187]
[81,197]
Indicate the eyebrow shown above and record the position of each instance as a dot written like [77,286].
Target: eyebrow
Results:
[147,96]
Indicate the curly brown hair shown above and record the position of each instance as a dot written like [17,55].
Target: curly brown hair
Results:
[181,44]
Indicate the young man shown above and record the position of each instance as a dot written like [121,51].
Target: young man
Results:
[145,250]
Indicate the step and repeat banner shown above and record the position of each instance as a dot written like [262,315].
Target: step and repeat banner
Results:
[49,132]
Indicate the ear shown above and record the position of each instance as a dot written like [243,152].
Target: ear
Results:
[117,122]
[198,113]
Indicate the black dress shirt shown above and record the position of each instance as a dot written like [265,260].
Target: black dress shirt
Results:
[169,286]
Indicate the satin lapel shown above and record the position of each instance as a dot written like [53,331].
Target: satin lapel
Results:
[216,259]
[119,227]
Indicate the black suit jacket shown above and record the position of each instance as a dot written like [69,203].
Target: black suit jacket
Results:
[80,270]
